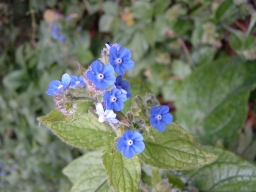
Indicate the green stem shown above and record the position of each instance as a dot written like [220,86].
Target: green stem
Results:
[186,51]
[33,23]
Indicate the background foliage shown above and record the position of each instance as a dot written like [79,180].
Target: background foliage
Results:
[198,57]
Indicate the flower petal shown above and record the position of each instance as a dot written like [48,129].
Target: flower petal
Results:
[160,126]
[125,53]
[125,85]
[164,109]
[91,76]
[167,118]
[50,92]
[107,96]
[99,109]
[65,79]
[110,114]
[128,64]
[136,136]
[97,67]
[154,110]
[153,121]
[112,120]
[118,106]
[138,146]
[108,69]
[109,106]
[113,52]
[119,69]
[54,84]
[121,144]
[128,152]
[118,80]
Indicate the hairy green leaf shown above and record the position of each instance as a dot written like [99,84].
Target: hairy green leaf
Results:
[175,149]
[212,102]
[75,169]
[81,130]
[123,174]
[228,173]
[93,179]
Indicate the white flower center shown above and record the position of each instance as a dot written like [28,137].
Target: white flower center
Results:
[60,86]
[100,76]
[159,117]
[77,82]
[118,61]
[113,98]
[129,142]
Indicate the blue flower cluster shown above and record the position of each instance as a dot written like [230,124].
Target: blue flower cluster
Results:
[56,87]
[104,80]
[57,35]
[103,76]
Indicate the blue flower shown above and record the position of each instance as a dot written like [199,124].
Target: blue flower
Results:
[56,34]
[120,59]
[55,31]
[56,87]
[101,75]
[108,115]
[114,99]
[76,81]
[62,38]
[123,86]
[159,116]
[130,143]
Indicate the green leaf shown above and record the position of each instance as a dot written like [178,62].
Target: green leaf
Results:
[175,149]
[46,57]
[105,23]
[110,8]
[138,46]
[82,131]
[229,173]
[160,27]
[156,177]
[203,55]
[19,56]
[223,9]
[75,169]
[160,6]
[142,10]
[252,23]
[180,69]
[212,101]
[175,181]
[15,79]
[123,174]
[93,179]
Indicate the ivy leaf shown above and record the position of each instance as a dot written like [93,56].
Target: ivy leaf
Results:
[229,173]
[82,130]
[175,149]
[123,174]
[75,169]
[212,102]
[93,179]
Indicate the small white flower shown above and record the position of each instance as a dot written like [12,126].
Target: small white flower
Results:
[108,115]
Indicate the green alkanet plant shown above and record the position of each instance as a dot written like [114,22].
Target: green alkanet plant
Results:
[89,114]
